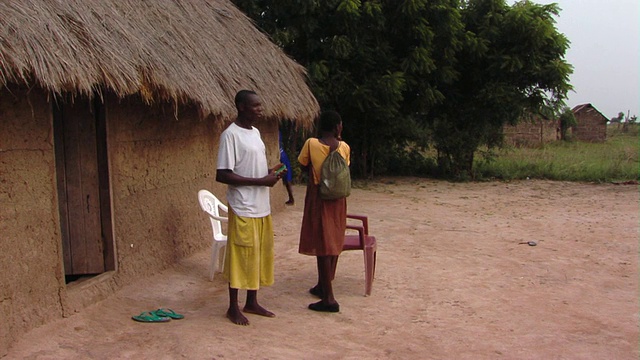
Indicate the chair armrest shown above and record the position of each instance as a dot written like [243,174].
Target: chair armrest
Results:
[363,218]
[361,232]
[223,207]
[219,218]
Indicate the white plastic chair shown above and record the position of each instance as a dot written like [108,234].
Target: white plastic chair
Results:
[212,206]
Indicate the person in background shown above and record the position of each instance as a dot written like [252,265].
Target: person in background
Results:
[288,177]
[242,165]
[324,221]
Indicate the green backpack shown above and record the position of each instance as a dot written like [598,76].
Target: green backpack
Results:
[335,178]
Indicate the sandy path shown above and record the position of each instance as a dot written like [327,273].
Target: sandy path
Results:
[452,282]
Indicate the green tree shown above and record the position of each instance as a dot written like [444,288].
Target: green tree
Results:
[567,120]
[375,62]
[512,64]
[617,119]
[415,72]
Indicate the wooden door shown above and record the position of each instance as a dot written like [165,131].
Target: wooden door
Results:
[81,166]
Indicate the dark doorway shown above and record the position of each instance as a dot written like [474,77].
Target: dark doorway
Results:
[83,186]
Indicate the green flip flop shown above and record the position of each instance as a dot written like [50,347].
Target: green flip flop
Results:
[150,316]
[168,313]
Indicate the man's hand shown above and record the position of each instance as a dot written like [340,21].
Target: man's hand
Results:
[277,167]
[280,170]
[271,179]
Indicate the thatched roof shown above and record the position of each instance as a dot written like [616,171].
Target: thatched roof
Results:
[200,51]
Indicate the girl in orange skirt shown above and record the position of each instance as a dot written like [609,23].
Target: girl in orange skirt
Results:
[324,221]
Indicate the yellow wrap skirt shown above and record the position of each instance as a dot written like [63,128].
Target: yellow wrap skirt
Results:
[249,252]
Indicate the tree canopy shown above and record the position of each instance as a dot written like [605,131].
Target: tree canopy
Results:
[408,74]
[511,66]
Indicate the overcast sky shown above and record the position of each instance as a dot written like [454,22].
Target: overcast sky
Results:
[604,51]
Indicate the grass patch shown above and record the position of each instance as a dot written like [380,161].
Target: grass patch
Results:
[614,160]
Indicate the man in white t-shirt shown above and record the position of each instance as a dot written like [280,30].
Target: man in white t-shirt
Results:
[242,165]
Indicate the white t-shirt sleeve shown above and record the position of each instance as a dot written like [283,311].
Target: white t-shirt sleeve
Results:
[226,152]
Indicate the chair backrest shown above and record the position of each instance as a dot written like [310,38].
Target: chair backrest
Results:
[212,206]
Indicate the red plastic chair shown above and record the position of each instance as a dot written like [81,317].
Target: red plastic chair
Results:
[365,242]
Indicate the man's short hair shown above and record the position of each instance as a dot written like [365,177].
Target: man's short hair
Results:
[329,120]
[242,96]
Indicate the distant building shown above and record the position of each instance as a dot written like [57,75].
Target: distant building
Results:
[591,124]
[531,132]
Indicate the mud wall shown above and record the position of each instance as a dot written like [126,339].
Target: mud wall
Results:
[531,133]
[31,274]
[591,126]
[159,158]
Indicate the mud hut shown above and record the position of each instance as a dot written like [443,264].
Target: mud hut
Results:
[591,124]
[110,113]
[532,131]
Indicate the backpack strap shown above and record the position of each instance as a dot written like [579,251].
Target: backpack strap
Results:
[330,149]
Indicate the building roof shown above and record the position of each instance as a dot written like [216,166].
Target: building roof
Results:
[587,106]
[186,51]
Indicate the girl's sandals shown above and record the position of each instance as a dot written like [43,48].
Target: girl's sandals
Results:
[316,291]
[320,306]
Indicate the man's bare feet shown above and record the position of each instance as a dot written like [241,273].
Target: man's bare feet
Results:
[236,317]
[258,310]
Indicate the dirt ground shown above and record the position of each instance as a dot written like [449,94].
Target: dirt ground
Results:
[453,281]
